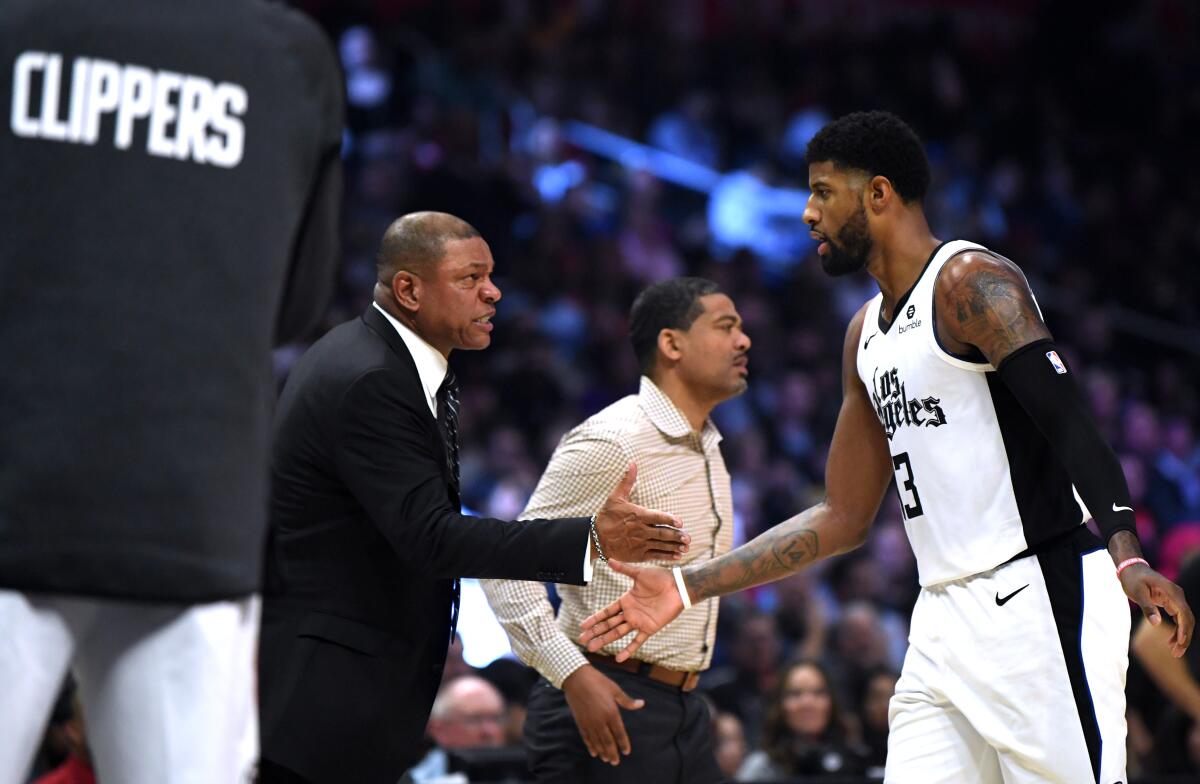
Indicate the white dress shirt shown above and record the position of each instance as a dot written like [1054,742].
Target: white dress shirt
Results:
[431,365]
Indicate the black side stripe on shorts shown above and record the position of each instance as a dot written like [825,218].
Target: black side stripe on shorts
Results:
[1062,568]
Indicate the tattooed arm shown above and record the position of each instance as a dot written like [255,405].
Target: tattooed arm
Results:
[983,301]
[857,474]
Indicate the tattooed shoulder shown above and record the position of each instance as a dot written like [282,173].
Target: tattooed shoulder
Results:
[987,304]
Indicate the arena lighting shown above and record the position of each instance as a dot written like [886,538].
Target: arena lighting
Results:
[744,211]
[635,155]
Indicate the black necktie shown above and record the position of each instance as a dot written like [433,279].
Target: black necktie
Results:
[447,416]
[447,398]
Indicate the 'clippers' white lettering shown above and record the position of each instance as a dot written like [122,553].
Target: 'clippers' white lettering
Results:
[182,116]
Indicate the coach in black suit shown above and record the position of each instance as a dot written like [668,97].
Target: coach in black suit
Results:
[367,536]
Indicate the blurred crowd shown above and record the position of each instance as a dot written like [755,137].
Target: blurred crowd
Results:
[601,146]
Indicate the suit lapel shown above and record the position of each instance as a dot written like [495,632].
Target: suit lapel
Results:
[378,323]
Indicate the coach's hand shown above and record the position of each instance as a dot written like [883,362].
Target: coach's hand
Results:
[596,703]
[632,533]
[1150,590]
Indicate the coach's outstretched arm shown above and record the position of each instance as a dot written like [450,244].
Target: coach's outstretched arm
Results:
[857,474]
[987,304]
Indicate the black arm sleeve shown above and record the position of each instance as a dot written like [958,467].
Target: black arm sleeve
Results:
[1045,387]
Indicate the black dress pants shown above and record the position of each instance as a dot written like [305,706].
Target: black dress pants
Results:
[671,738]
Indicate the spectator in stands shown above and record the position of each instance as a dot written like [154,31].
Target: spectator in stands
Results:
[66,742]
[872,704]
[730,743]
[468,713]
[743,688]
[805,732]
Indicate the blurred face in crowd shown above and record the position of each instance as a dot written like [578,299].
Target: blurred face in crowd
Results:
[712,354]
[879,692]
[458,298]
[758,645]
[807,703]
[861,638]
[472,717]
[838,218]
[730,743]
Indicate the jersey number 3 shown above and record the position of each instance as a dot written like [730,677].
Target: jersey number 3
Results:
[906,486]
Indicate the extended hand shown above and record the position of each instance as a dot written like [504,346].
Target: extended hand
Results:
[629,532]
[596,703]
[1150,590]
[649,605]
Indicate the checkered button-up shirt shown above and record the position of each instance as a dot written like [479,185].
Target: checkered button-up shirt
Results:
[680,472]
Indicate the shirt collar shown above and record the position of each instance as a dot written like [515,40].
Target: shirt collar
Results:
[431,365]
[666,416]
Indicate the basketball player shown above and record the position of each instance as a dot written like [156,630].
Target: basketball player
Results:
[954,385]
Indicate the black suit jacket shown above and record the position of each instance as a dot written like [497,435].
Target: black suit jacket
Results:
[365,542]
[141,289]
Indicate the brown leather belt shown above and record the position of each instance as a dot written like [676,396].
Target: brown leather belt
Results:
[684,681]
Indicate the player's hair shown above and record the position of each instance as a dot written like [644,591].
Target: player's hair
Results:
[669,304]
[416,242]
[878,143]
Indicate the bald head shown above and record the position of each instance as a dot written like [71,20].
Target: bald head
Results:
[468,713]
[416,242]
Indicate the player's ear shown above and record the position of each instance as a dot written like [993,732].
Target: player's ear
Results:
[880,193]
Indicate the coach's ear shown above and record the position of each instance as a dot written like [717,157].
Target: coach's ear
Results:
[669,345]
[406,288]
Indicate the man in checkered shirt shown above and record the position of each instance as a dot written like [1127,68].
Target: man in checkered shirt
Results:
[689,343]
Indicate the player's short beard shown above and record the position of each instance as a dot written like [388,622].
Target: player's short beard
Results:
[852,250]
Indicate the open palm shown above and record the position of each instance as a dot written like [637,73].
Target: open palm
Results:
[649,605]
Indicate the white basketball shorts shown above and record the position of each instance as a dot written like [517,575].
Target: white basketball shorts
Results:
[1016,675]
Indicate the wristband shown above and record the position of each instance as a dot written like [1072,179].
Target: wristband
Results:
[683,594]
[596,539]
[1128,562]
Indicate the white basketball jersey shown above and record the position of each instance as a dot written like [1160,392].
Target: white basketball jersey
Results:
[978,483]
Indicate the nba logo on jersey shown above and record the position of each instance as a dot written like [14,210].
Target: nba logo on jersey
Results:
[1059,367]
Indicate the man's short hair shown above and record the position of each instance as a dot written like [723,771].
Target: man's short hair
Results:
[878,143]
[670,304]
[416,242]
